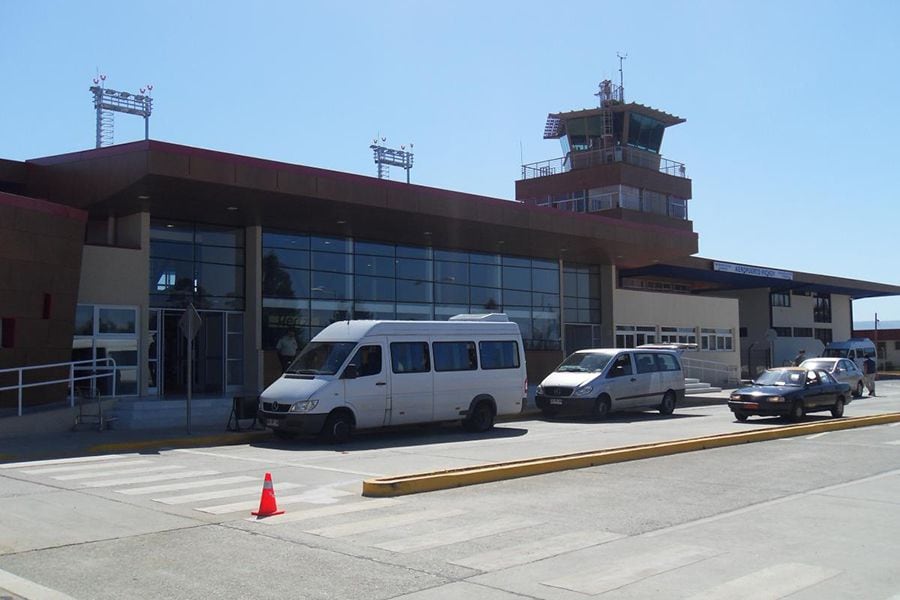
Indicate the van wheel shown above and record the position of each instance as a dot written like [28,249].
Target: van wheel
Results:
[481,419]
[858,392]
[667,407]
[338,428]
[837,411]
[601,408]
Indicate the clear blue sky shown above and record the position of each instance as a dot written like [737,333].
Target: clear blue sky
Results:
[790,106]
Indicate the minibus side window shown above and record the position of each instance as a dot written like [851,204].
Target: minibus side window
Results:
[499,355]
[410,357]
[367,360]
[454,356]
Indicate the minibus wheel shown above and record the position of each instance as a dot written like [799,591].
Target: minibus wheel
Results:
[481,419]
[338,428]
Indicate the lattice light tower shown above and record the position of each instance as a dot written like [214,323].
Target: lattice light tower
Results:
[386,157]
[107,101]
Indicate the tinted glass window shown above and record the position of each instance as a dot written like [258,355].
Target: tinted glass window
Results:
[666,362]
[117,320]
[499,355]
[367,360]
[621,366]
[410,357]
[84,320]
[454,356]
[281,257]
[645,362]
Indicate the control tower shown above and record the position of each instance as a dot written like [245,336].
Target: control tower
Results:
[611,165]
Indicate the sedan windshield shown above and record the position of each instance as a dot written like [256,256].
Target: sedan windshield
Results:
[321,358]
[584,362]
[781,377]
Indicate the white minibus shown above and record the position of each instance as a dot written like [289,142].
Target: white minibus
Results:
[368,374]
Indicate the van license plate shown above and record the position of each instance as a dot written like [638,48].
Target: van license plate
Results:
[272,422]
[555,401]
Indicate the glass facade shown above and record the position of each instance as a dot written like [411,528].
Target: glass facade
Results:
[108,332]
[309,282]
[194,263]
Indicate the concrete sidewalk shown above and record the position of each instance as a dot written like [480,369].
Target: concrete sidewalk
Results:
[87,440]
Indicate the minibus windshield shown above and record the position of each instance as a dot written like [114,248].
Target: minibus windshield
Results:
[584,362]
[321,358]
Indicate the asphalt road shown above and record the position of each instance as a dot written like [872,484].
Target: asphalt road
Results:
[808,517]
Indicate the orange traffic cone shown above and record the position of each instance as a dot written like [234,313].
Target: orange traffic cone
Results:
[267,506]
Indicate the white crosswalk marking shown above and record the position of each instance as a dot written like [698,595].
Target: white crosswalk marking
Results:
[312,497]
[28,589]
[228,493]
[521,554]
[631,568]
[387,522]
[185,485]
[79,468]
[117,472]
[778,581]
[146,479]
[64,461]
[327,511]
[457,534]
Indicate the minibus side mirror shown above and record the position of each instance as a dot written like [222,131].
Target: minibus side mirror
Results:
[351,371]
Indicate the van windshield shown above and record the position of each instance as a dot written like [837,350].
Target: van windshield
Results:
[584,363]
[835,353]
[321,358]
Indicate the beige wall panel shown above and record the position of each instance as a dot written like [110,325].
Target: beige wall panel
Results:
[113,276]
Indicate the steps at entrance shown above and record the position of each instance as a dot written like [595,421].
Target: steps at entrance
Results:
[695,386]
[168,414]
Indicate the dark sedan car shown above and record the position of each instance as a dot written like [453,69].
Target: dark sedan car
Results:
[790,392]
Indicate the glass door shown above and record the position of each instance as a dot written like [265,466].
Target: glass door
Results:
[217,349]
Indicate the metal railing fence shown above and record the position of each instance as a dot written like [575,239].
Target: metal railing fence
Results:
[93,369]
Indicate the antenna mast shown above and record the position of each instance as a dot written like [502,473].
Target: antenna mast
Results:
[622,58]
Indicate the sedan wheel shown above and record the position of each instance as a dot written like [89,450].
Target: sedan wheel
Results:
[797,411]
[740,415]
[837,410]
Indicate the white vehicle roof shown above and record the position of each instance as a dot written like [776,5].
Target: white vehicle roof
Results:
[351,331]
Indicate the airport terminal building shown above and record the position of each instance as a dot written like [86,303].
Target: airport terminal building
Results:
[102,252]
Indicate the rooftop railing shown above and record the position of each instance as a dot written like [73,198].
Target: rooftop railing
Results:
[589,158]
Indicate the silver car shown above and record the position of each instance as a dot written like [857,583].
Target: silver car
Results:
[843,369]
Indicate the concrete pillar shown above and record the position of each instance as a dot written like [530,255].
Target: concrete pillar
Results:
[607,314]
[253,355]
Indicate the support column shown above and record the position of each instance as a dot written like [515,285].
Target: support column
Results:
[607,312]
[253,356]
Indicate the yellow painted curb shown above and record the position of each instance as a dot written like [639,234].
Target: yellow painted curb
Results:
[441,480]
[183,442]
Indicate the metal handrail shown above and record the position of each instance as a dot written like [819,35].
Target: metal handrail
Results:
[699,367]
[93,365]
[588,158]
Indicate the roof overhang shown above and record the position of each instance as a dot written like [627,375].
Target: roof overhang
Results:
[191,184]
[723,276]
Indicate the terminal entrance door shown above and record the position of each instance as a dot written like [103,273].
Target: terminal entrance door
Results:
[209,355]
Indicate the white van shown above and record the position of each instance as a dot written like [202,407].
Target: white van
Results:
[367,374]
[603,380]
[856,349]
